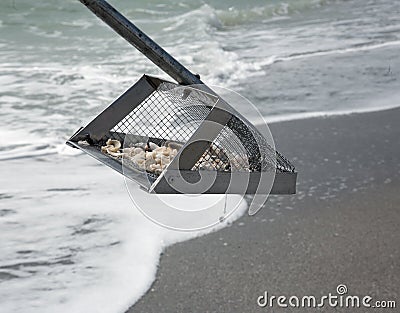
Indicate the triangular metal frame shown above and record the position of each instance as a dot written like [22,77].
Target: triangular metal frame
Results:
[89,138]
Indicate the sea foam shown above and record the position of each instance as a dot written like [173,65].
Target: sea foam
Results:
[73,240]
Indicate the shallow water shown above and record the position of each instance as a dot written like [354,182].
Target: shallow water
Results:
[71,238]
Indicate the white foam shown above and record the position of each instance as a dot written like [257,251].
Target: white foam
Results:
[305,55]
[19,143]
[306,115]
[94,252]
[207,54]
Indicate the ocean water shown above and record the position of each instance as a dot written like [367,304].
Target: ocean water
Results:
[71,239]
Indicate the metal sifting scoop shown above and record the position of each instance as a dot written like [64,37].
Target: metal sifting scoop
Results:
[179,138]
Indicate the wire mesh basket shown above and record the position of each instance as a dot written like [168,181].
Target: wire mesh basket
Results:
[153,130]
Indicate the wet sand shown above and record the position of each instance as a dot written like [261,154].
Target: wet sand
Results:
[342,227]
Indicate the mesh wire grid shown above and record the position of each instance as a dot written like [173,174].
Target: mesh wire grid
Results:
[173,113]
[161,116]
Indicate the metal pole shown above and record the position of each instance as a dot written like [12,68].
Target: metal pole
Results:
[141,41]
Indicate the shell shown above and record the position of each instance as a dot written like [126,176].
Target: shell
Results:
[174,145]
[152,145]
[130,152]
[113,145]
[137,150]
[141,164]
[157,166]
[140,145]
[83,143]
[138,158]
[115,154]
[166,152]
[159,149]
[165,160]
[149,161]
[152,168]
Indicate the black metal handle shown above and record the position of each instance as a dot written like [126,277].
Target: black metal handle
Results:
[141,41]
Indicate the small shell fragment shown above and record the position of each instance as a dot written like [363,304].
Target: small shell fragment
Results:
[173,145]
[152,145]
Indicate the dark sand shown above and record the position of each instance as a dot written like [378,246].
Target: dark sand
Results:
[342,227]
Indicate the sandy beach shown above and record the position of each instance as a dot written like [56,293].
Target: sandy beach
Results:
[342,227]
